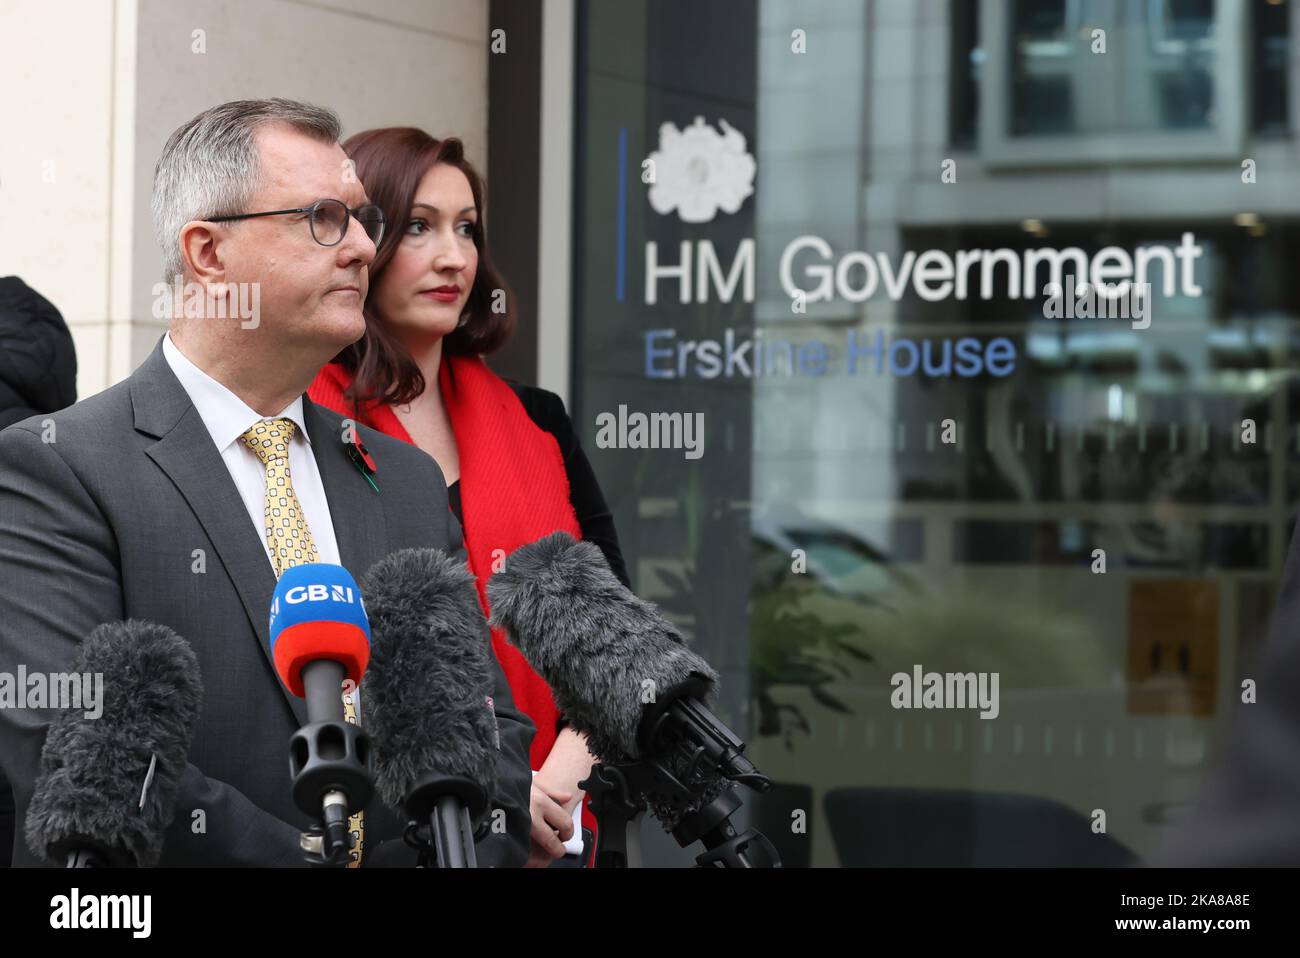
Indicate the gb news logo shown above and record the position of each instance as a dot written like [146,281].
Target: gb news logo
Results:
[701,171]
[317,592]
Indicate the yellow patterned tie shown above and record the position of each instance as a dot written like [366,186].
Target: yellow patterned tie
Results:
[289,538]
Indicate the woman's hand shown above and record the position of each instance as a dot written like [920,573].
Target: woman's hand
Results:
[549,816]
[555,795]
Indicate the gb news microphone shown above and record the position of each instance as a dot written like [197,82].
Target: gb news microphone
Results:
[602,649]
[107,787]
[320,637]
[428,701]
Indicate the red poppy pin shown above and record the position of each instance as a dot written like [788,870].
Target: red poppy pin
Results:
[361,458]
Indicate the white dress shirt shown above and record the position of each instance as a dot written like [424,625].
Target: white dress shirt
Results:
[227,417]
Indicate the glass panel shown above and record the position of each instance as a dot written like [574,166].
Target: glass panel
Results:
[1100,66]
[916,460]
[1271,35]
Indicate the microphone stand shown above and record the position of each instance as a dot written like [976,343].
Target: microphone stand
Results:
[680,730]
[83,852]
[619,795]
[618,809]
[441,809]
[83,858]
[725,847]
[330,766]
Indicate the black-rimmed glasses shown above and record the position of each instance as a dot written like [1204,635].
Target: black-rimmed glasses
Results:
[328,219]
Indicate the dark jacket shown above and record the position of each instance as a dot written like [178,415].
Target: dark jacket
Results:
[38,374]
[38,364]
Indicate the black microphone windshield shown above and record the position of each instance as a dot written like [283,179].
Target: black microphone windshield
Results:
[94,770]
[426,693]
[606,653]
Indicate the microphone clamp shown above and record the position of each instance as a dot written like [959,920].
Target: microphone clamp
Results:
[331,768]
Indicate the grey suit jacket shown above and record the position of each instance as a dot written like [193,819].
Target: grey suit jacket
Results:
[130,512]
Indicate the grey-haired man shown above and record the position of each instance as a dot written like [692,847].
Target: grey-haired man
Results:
[150,501]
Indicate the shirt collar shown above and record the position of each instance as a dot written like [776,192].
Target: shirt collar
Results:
[225,415]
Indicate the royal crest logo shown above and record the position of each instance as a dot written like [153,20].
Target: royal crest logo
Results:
[698,171]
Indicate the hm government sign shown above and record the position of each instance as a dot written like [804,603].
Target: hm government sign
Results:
[700,172]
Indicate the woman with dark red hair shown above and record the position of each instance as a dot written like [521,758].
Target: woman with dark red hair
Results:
[508,452]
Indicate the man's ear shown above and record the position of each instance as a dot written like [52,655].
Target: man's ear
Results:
[202,255]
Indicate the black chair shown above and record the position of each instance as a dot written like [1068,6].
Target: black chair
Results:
[935,828]
[771,813]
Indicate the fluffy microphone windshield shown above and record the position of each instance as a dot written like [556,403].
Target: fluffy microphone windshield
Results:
[605,652]
[93,771]
[425,695]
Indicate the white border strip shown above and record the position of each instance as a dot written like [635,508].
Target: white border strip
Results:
[555,205]
[125,221]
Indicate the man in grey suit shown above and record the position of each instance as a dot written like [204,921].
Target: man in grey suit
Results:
[150,501]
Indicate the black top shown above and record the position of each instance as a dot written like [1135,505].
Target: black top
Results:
[546,410]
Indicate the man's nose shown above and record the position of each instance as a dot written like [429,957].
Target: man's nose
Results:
[357,246]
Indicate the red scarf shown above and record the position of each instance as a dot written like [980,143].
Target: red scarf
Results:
[513,490]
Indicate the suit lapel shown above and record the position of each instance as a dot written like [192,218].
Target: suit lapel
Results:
[356,510]
[186,453]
